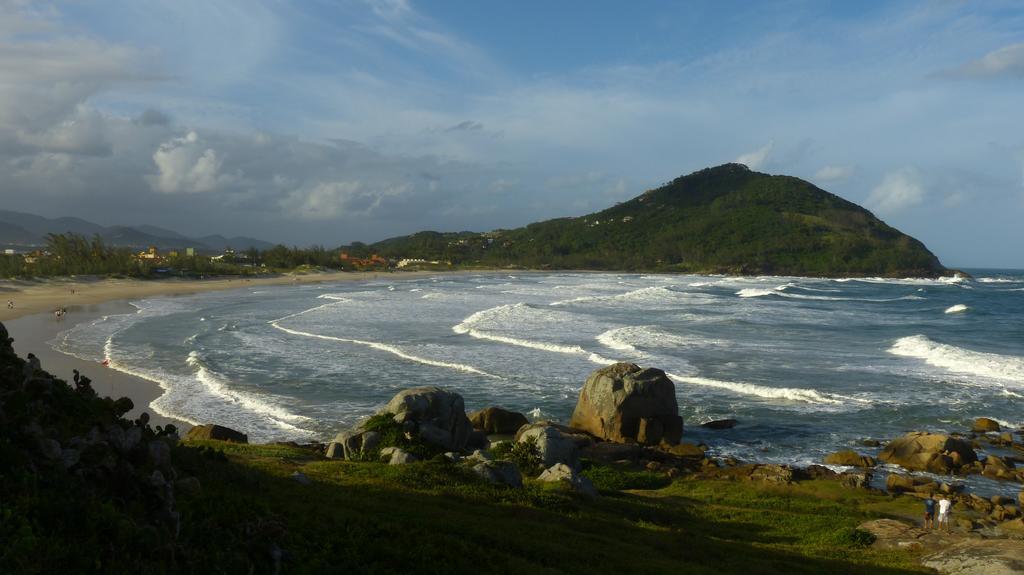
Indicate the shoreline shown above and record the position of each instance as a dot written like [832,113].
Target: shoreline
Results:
[32,324]
[44,296]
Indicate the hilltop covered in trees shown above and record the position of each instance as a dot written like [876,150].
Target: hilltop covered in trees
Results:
[726,219]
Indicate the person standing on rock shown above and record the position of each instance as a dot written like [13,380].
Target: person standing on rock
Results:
[929,511]
[944,505]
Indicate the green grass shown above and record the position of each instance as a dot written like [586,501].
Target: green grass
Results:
[437,517]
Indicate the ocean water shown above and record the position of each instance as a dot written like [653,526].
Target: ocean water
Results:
[807,366]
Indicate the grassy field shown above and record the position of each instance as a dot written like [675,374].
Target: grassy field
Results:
[436,517]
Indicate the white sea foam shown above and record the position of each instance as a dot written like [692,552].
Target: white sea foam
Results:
[775,393]
[958,308]
[220,385]
[755,292]
[205,395]
[627,338]
[647,294]
[389,349]
[1004,368]
[781,292]
[997,281]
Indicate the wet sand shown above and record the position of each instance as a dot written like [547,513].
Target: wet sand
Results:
[32,333]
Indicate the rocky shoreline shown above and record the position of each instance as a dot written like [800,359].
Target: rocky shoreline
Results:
[626,417]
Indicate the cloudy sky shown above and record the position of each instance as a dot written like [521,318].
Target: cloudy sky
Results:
[327,121]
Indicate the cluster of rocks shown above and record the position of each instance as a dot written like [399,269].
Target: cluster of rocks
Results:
[68,434]
[624,414]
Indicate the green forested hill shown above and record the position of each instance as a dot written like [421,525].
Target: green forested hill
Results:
[725,219]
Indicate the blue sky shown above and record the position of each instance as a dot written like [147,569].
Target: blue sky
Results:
[329,121]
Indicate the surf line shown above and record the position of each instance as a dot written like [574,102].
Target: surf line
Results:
[388,348]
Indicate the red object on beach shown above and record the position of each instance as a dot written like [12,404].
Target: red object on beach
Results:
[106,363]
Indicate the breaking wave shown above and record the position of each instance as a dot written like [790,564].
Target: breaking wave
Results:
[958,360]
[775,393]
[389,349]
[958,308]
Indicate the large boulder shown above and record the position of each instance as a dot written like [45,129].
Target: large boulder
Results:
[850,458]
[436,415]
[562,473]
[499,473]
[626,403]
[985,425]
[495,420]
[933,452]
[556,443]
[218,432]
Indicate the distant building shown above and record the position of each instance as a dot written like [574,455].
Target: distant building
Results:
[8,252]
[150,254]
[190,252]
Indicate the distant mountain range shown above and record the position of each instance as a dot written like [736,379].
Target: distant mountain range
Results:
[21,230]
[725,219]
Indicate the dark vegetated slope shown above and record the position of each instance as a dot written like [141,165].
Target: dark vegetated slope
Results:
[726,219]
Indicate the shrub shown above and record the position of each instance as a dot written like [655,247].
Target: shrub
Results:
[525,454]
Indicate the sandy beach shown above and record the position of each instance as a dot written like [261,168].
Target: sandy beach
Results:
[32,323]
[37,296]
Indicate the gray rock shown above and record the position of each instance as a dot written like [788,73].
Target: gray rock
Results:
[480,456]
[50,449]
[132,438]
[499,473]
[438,416]
[624,403]
[301,478]
[401,457]
[495,420]
[561,472]
[371,440]
[69,457]
[188,485]
[160,454]
[335,450]
[556,443]
[115,437]
[218,432]
[979,557]
[933,452]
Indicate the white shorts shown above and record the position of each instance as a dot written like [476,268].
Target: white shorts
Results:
[943,517]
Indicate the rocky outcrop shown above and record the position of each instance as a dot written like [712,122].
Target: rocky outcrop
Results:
[562,473]
[499,473]
[436,415]
[850,458]
[495,420]
[985,425]
[933,452]
[556,443]
[431,415]
[217,432]
[625,403]
[979,556]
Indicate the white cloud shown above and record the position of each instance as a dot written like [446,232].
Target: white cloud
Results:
[834,174]
[758,158]
[186,165]
[1006,61]
[332,200]
[899,190]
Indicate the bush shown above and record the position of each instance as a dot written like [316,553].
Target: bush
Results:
[525,454]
